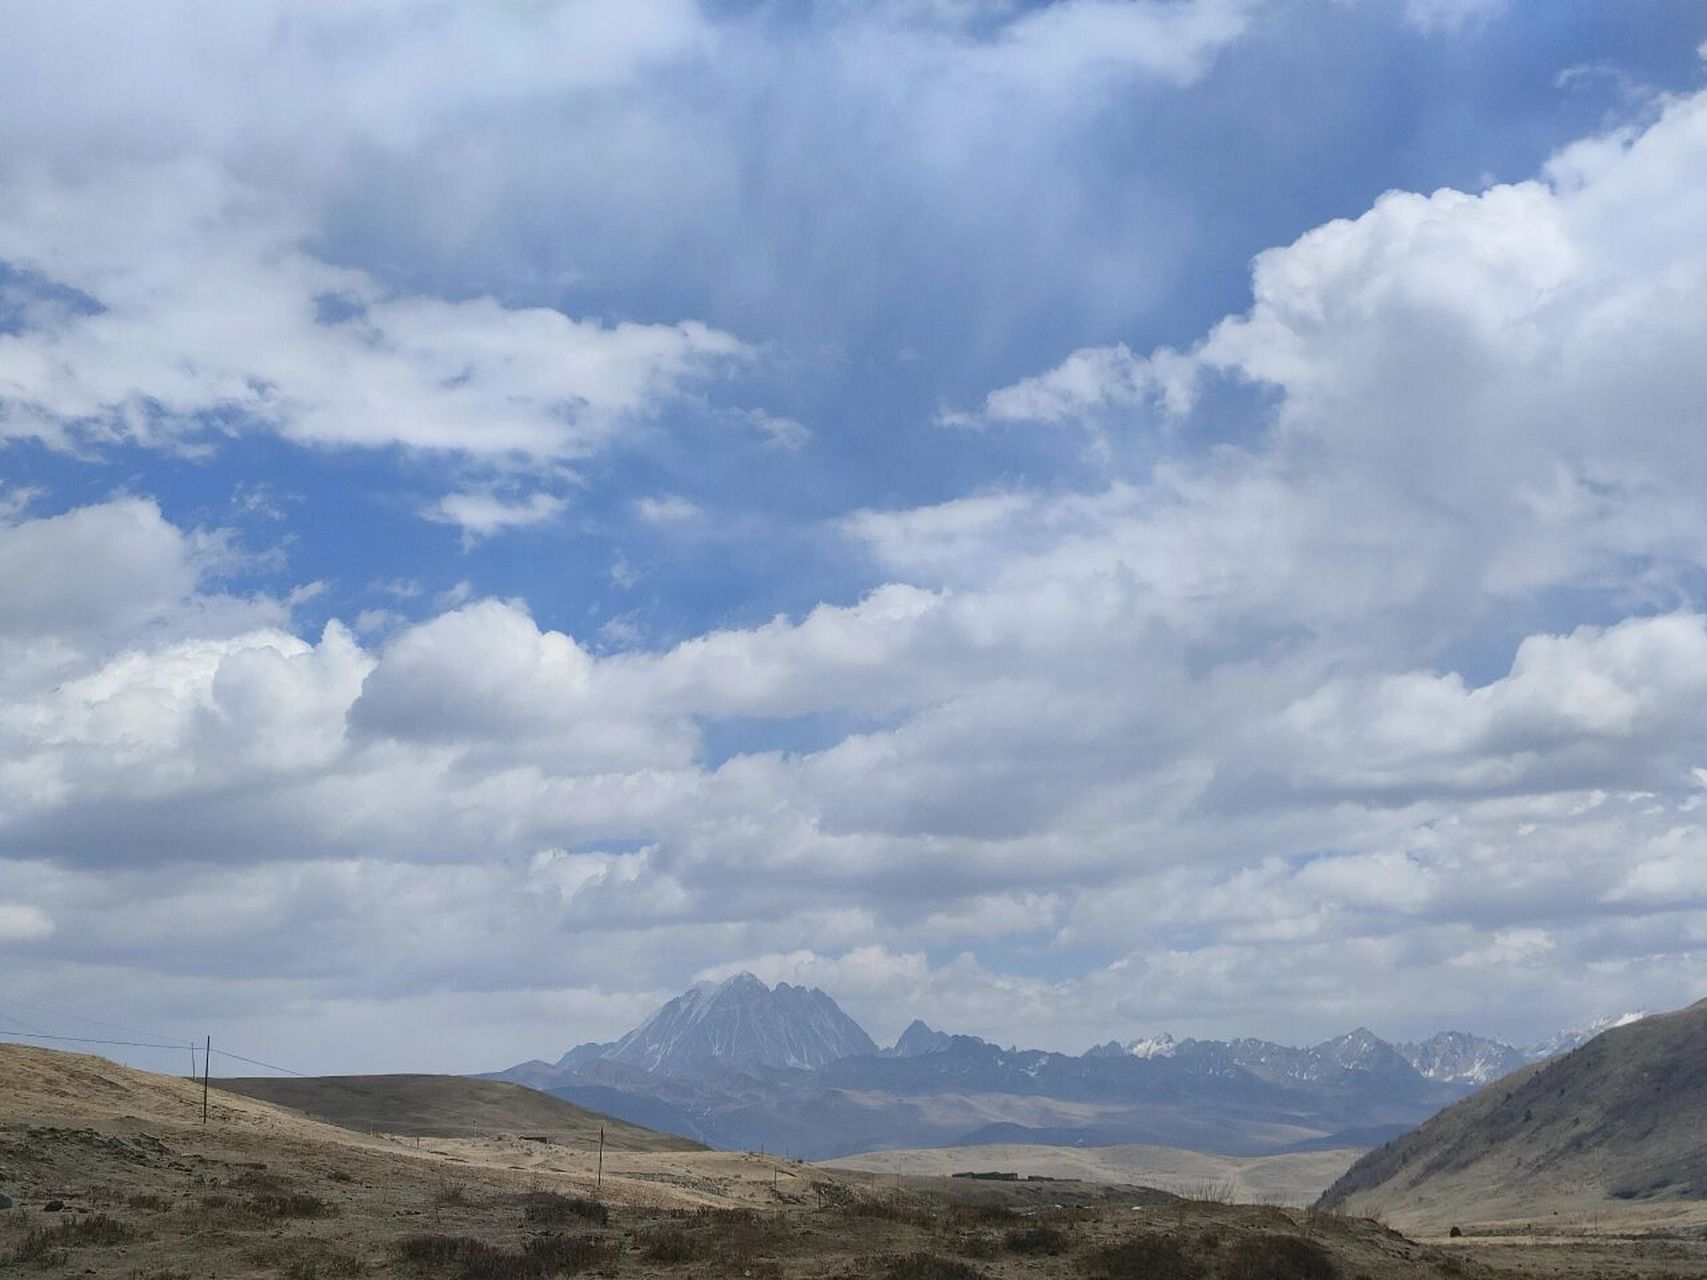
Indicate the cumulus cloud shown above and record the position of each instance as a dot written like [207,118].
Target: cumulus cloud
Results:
[1399,682]
[131,566]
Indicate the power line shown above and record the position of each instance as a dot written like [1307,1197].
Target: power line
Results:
[254,1063]
[94,1022]
[135,1044]
[19,1022]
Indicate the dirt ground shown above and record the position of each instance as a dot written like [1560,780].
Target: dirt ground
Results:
[146,1192]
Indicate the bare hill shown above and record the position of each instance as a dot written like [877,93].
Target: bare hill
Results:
[113,1175]
[449,1106]
[1615,1131]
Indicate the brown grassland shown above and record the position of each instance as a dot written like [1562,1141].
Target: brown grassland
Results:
[148,1193]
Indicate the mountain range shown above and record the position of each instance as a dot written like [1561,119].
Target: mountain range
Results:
[743,1065]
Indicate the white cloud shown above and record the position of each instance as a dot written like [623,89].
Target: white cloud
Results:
[20,922]
[209,317]
[131,565]
[666,508]
[1056,44]
[1450,15]
[480,513]
[1403,688]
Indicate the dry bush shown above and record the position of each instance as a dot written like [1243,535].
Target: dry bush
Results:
[288,1204]
[728,1237]
[471,1259]
[449,1195]
[550,1208]
[994,1215]
[973,1244]
[930,1266]
[671,1245]
[1210,1191]
[893,1210]
[1143,1258]
[257,1178]
[46,1246]
[304,1258]
[270,1206]
[1279,1258]
[38,1248]
[1037,1237]
[144,1202]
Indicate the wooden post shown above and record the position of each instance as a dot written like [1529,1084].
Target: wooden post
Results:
[599,1177]
[207,1070]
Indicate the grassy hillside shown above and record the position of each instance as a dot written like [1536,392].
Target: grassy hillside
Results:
[449,1106]
[1616,1130]
[115,1176]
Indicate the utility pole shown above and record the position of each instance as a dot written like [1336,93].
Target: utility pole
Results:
[599,1177]
[207,1070]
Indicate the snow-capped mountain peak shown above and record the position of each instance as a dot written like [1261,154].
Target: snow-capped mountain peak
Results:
[1162,1046]
[1575,1037]
[1458,1057]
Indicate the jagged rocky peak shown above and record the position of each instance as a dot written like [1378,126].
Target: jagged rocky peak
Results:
[1359,1048]
[741,1023]
[919,1039]
[1459,1057]
[1162,1046]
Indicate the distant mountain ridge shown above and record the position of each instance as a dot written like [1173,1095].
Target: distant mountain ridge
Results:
[743,1065]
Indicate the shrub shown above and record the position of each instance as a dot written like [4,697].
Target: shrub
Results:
[257,1179]
[547,1208]
[1143,1258]
[1280,1258]
[46,1246]
[670,1244]
[39,1247]
[1039,1237]
[728,1237]
[930,1266]
[95,1229]
[471,1259]
[973,1244]
[287,1204]
[305,1258]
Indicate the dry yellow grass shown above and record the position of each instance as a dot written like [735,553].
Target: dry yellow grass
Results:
[261,1191]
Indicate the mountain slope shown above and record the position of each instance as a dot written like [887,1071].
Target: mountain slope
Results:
[1614,1129]
[448,1106]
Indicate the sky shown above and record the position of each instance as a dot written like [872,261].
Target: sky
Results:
[1068,519]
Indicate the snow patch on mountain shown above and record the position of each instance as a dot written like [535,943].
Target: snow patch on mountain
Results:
[1458,1057]
[1577,1037]
[1161,1046]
